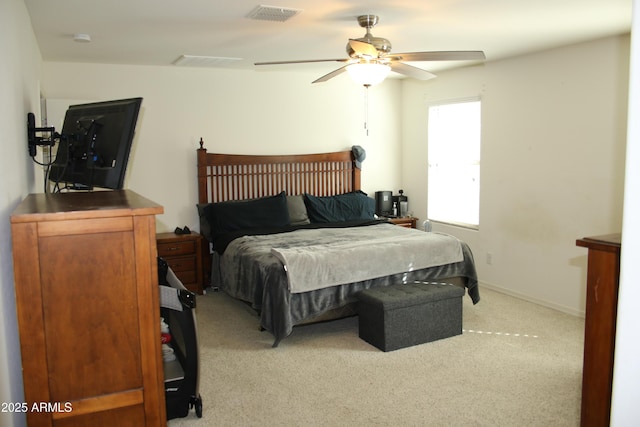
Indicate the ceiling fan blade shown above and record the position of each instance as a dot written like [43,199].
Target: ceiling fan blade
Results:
[455,55]
[411,71]
[331,74]
[363,48]
[303,61]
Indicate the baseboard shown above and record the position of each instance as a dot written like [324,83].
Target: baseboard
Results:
[529,298]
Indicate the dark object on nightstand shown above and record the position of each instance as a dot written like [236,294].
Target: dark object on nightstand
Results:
[183,253]
[384,203]
[402,204]
[184,230]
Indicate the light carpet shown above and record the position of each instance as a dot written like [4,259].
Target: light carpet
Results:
[516,364]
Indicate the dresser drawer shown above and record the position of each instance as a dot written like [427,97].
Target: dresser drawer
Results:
[170,249]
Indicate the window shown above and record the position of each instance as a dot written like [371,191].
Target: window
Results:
[454,163]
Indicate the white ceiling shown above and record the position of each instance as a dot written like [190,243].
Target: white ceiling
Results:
[158,32]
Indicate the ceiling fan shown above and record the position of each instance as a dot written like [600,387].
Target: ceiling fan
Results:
[370,58]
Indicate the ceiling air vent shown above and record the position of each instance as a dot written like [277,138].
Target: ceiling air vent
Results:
[204,61]
[273,13]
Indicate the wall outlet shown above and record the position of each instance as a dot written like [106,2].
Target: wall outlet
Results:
[489,258]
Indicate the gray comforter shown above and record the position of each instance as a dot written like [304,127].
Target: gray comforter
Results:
[346,255]
[249,271]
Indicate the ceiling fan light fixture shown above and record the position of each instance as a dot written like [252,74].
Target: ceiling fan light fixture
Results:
[368,73]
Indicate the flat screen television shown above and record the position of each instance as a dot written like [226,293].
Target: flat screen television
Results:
[95,143]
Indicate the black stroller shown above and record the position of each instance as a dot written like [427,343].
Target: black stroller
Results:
[180,353]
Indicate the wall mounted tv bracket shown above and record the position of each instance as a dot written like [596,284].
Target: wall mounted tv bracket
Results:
[42,136]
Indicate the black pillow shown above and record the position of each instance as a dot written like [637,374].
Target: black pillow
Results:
[353,206]
[265,212]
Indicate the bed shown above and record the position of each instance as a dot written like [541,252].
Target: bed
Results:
[294,237]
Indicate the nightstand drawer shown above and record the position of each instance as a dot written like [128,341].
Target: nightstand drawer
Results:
[405,224]
[407,221]
[186,277]
[182,263]
[186,247]
[183,254]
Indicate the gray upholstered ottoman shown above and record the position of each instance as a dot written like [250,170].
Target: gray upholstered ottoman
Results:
[401,316]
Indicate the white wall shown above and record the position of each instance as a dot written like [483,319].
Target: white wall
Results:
[235,112]
[625,410]
[552,162]
[19,77]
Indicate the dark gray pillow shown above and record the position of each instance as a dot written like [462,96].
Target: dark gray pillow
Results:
[297,210]
[205,228]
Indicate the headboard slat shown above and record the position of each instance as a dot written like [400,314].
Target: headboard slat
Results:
[223,177]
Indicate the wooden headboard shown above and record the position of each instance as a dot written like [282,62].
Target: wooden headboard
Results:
[223,177]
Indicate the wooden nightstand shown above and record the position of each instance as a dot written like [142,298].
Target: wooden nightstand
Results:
[407,221]
[184,255]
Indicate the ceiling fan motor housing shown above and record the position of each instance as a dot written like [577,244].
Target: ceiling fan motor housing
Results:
[382,45]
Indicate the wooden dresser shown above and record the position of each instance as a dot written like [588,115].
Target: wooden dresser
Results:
[183,253]
[603,274]
[86,284]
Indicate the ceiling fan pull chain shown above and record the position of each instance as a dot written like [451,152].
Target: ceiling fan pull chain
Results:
[366,109]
